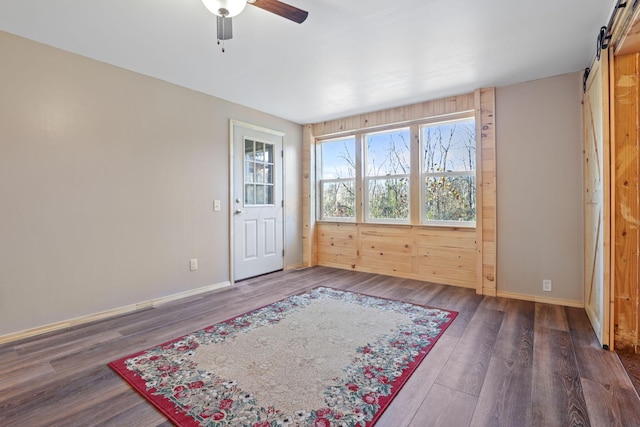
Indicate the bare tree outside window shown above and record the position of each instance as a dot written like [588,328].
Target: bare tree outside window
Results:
[447,174]
[388,159]
[449,164]
[337,179]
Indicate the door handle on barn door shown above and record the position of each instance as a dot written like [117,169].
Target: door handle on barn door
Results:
[238,211]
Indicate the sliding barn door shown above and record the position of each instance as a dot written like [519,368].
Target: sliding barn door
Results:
[597,198]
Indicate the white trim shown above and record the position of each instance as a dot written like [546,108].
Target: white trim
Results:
[156,302]
[545,300]
[281,135]
[454,224]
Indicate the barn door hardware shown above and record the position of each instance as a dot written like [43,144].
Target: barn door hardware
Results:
[605,35]
[585,77]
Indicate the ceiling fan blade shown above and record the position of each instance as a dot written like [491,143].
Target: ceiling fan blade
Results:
[292,13]
[224,28]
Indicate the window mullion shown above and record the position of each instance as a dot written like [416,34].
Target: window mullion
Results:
[359,178]
[415,198]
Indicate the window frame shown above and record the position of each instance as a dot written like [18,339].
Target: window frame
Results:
[416,177]
[424,175]
[366,178]
[320,181]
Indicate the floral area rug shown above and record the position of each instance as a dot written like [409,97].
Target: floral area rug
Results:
[322,358]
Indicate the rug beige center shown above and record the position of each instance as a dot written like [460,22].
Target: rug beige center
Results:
[288,365]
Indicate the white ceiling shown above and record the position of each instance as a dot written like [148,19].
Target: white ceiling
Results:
[349,57]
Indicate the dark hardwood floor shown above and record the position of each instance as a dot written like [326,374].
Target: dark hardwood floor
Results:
[631,362]
[501,363]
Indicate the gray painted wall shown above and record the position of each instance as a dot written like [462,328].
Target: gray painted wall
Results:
[107,179]
[107,182]
[539,156]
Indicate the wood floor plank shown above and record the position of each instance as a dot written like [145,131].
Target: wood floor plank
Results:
[497,349]
[22,375]
[412,395]
[515,338]
[631,363]
[505,398]
[595,364]
[58,349]
[551,316]
[464,301]
[610,406]
[444,407]
[48,404]
[467,367]
[140,415]
[557,397]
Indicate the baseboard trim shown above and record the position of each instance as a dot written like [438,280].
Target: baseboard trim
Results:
[546,300]
[156,302]
[294,267]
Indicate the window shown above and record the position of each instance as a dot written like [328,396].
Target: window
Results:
[258,173]
[449,172]
[387,173]
[337,172]
[373,171]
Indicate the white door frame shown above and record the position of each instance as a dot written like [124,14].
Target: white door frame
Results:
[232,124]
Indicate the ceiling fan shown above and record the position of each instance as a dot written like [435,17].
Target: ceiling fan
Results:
[226,9]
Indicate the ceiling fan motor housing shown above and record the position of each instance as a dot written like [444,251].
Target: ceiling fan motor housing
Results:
[225,8]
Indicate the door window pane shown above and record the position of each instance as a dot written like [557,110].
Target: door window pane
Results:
[259,170]
[249,194]
[268,195]
[248,149]
[259,194]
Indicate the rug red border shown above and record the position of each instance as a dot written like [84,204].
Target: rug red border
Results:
[168,409]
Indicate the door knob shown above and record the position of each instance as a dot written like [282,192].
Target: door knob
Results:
[238,211]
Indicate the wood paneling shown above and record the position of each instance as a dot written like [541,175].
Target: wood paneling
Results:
[462,257]
[399,115]
[626,203]
[309,257]
[446,256]
[487,191]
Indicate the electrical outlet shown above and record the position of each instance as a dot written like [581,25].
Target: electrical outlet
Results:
[546,285]
[193,264]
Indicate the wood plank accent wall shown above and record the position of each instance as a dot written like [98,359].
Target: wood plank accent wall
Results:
[309,251]
[487,202]
[457,256]
[438,255]
[626,200]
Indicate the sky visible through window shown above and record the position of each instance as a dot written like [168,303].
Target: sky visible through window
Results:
[388,153]
[449,147]
[338,158]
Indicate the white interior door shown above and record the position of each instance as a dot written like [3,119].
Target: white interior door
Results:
[257,201]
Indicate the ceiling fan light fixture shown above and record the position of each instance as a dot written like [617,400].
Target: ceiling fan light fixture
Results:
[225,8]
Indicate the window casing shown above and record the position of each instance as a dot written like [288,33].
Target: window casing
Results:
[372,176]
